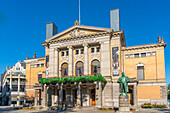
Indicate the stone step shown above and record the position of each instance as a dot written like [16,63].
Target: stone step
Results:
[84,108]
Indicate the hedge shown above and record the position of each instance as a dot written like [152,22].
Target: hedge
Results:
[149,105]
[96,77]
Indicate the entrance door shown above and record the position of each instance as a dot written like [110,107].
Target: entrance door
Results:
[93,97]
[64,97]
[130,96]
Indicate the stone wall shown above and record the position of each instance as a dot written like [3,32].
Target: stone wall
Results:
[107,95]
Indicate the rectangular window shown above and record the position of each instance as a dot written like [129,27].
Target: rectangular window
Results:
[8,88]
[82,51]
[42,65]
[149,54]
[92,50]
[22,87]
[18,68]
[136,55]
[126,56]
[153,53]
[77,52]
[38,65]
[66,53]
[14,87]
[143,54]
[98,49]
[39,77]
[62,53]
[140,70]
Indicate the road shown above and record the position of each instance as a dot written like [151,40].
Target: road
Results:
[7,109]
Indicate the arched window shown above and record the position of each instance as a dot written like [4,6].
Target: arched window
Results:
[95,67]
[79,68]
[64,69]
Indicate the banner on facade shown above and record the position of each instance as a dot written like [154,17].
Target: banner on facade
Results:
[47,65]
[115,61]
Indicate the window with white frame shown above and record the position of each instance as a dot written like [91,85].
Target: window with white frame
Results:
[140,72]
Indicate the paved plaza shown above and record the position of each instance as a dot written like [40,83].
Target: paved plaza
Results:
[7,109]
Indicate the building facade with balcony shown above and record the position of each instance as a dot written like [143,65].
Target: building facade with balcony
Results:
[77,55]
[13,85]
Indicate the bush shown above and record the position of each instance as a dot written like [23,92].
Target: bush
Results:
[149,105]
[96,77]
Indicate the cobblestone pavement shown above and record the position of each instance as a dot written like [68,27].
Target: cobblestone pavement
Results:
[6,109]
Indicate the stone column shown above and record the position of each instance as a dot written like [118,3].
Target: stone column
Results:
[78,95]
[10,84]
[135,95]
[105,57]
[53,96]
[88,97]
[60,96]
[99,94]
[18,100]
[56,63]
[68,97]
[72,103]
[56,96]
[70,62]
[18,84]
[51,62]
[35,99]
[86,59]
[44,96]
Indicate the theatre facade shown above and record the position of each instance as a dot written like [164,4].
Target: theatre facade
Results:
[87,51]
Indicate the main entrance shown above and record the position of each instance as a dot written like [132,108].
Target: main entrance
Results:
[130,95]
[93,97]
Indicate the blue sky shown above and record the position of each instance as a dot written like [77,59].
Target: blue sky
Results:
[23,22]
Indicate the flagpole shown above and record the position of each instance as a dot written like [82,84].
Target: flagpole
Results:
[79,12]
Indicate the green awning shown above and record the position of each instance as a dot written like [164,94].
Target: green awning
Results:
[96,77]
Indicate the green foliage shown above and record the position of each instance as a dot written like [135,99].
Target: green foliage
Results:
[169,86]
[149,105]
[97,77]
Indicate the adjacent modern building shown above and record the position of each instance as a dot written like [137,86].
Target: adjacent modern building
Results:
[13,84]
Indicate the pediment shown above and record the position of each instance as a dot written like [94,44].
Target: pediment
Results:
[78,30]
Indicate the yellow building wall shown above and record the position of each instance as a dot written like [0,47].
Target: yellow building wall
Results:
[154,66]
[149,92]
[92,58]
[32,76]
[61,61]
[76,60]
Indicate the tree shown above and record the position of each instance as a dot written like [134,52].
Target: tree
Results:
[168,92]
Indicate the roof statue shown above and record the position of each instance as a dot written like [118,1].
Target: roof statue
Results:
[34,55]
[76,22]
[27,57]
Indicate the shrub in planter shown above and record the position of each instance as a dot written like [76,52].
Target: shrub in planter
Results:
[147,105]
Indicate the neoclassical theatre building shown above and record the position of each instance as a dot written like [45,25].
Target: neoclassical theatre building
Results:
[86,51]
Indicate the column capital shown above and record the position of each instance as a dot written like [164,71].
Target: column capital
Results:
[70,47]
[85,45]
[101,43]
[56,49]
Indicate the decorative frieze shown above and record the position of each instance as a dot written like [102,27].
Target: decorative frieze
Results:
[79,56]
[83,38]
[76,32]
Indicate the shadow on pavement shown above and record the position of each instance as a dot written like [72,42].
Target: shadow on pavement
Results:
[4,110]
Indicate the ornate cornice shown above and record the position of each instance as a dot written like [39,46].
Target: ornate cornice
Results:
[80,37]
[147,46]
